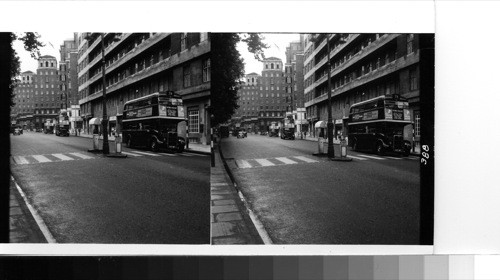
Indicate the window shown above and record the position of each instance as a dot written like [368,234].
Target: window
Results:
[206,70]
[194,120]
[413,79]
[187,76]
[183,41]
[409,43]
[417,123]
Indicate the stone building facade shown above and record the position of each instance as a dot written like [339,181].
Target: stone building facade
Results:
[138,64]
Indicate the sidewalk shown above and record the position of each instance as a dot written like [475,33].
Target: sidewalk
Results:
[22,225]
[231,223]
[193,147]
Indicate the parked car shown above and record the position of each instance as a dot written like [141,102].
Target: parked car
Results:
[242,134]
[18,131]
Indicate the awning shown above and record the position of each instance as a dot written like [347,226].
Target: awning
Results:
[95,121]
[320,124]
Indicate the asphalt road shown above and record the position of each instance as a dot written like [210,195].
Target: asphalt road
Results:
[87,198]
[303,199]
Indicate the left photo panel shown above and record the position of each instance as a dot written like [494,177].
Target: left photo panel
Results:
[109,137]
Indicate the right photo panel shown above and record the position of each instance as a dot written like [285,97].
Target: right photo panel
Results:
[322,138]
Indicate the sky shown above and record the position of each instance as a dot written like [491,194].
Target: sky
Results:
[277,46]
[52,41]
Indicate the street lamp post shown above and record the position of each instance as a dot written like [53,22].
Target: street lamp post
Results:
[331,151]
[105,143]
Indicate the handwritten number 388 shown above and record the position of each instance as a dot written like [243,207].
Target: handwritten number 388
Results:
[425,155]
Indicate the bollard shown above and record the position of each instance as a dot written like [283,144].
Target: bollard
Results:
[343,148]
[321,146]
[96,142]
[118,142]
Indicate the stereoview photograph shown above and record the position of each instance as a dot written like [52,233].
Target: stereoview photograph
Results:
[110,138]
[322,138]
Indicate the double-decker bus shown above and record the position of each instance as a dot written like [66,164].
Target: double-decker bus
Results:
[152,120]
[377,125]
[288,128]
[62,124]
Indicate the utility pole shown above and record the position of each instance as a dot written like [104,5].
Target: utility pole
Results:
[105,143]
[331,151]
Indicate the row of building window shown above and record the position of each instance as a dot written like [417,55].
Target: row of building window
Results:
[46,64]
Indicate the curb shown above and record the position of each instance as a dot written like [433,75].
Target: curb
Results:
[250,218]
[230,222]
[23,226]
[186,150]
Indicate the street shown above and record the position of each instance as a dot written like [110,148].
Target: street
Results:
[146,198]
[304,199]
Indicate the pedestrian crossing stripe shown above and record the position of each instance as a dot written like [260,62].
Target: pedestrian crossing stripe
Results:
[81,155]
[286,160]
[20,160]
[57,157]
[264,162]
[33,159]
[243,163]
[41,158]
[358,158]
[62,157]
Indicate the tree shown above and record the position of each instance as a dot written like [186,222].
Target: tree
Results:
[32,44]
[228,70]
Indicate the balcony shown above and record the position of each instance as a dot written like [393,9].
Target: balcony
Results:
[122,60]
[387,69]
[358,56]
[162,65]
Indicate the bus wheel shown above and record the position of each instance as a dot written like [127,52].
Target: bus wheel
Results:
[380,149]
[154,145]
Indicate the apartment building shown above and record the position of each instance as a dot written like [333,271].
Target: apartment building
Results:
[362,67]
[248,100]
[138,64]
[68,77]
[23,111]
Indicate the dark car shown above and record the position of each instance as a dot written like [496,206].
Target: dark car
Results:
[242,134]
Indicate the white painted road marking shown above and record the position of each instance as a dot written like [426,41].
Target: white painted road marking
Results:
[20,160]
[62,157]
[131,154]
[393,157]
[200,155]
[264,162]
[306,159]
[41,158]
[286,160]
[358,158]
[186,155]
[379,158]
[81,155]
[148,154]
[167,154]
[243,163]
